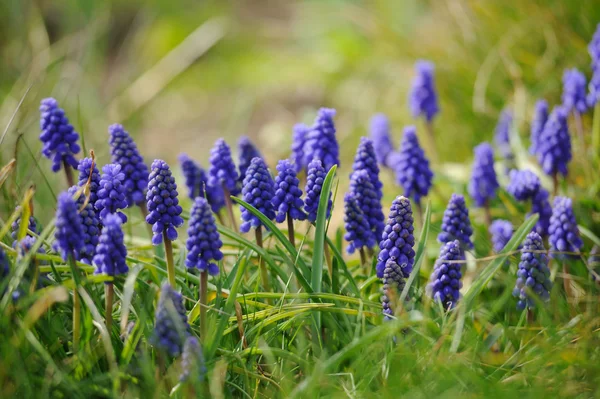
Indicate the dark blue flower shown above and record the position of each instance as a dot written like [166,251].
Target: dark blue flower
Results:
[171,327]
[382,141]
[204,242]
[524,185]
[501,231]
[365,160]
[394,279]
[574,95]
[456,224]
[555,144]
[111,195]
[69,231]
[412,167]
[397,240]
[88,172]
[358,231]
[502,135]
[298,141]
[483,183]
[258,190]
[533,272]
[247,151]
[111,252]
[423,97]
[321,142]
[288,196]
[315,177]
[563,230]
[368,201]
[195,177]
[594,85]
[58,136]
[163,204]
[445,280]
[540,118]
[124,152]
[222,171]
[541,205]
[193,368]
[90,226]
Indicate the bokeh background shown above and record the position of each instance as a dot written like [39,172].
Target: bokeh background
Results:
[179,74]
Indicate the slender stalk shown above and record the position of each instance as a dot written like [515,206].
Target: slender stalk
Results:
[68,174]
[290,223]
[431,139]
[240,324]
[220,218]
[144,210]
[170,262]
[363,257]
[554,184]
[419,212]
[109,291]
[488,213]
[203,295]
[76,304]
[229,205]
[263,269]
[530,316]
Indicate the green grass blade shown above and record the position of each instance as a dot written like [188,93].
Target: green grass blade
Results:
[420,253]
[319,245]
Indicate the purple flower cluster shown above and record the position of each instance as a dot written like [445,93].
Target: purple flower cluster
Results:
[501,231]
[456,224]
[397,240]
[195,177]
[483,183]
[298,141]
[412,167]
[88,171]
[423,97]
[554,150]
[247,152]
[502,135]
[16,225]
[563,230]
[111,251]
[171,327]
[222,171]
[540,118]
[524,185]
[382,141]
[193,368]
[124,152]
[69,231]
[163,204]
[533,272]
[58,136]
[445,280]
[258,190]
[573,95]
[90,225]
[315,177]
[112,192]
[204,242]
[320,142]
[394,280]
[288,196]
[367,200]
[594,85]
[358,231]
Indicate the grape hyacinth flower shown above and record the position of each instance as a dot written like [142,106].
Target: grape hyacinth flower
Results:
[288,197]
[397,240]
[368,201]
[555,145]
[258,190]
[204,242]
[456,224]
[563,230]
[193,368]
[501,232]
[365,160]
[59,138]
[382,141]
[321,142]
[594,85]
[533,272]
[88,172]
[222,171]
[111,195]
[171,327]
[163,203]
[247,151]
[502,137]
[445,280]
[573,95]
[90,225]
[423,96]
[358,232]
[69,231]
[111,251]
[16,225]
[483,183]
[298,140]
[537,125]
[315,178]
[524,185]
[394,279]
[412,167]
[124,152]
[195,177]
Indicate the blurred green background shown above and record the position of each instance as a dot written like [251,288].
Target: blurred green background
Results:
[179,74]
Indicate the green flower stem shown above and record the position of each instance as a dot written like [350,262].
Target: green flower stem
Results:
[170,262]
[290,223]
[203,294]
[263,269]
[68,174]
[230,208]
[76,304]
[109,291]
